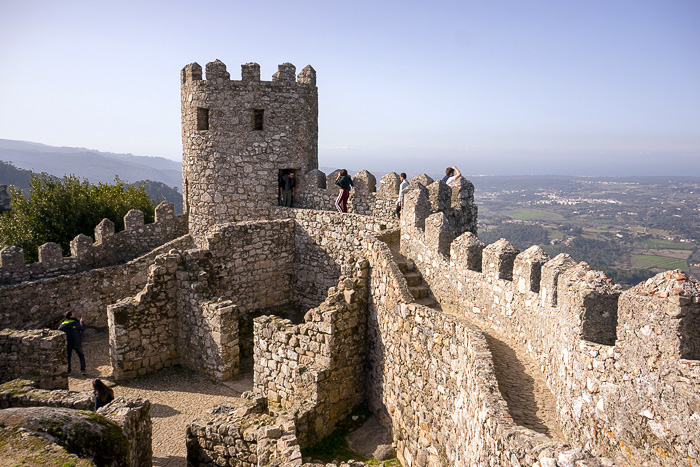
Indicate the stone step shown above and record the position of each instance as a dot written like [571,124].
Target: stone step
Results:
[419,291]
[413,278]
[427,301]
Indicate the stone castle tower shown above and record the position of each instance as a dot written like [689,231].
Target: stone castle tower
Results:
[239,136]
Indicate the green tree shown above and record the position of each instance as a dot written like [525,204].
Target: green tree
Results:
[58,209]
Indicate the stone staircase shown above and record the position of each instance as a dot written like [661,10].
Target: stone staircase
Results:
[416,284]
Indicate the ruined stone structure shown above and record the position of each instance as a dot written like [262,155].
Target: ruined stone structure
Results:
[622,366]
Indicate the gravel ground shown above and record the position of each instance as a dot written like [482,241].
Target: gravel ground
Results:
[177,395]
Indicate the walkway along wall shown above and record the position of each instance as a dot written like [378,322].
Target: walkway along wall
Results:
[623,366]
[431,379]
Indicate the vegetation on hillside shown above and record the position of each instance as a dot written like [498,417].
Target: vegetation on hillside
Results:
[58,209]
[11,175]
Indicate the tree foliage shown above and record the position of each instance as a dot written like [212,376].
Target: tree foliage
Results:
[522,236]
[58,209]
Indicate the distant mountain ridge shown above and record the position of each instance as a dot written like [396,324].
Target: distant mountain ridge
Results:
[94,165]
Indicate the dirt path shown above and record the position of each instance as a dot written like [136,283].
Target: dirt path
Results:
[177,395]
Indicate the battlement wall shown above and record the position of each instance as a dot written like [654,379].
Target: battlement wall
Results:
[107,249]
[43,303]
[586,334]
[432,381]
[41,354]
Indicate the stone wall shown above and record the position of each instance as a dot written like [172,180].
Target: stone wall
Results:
[190,310]
[252,263]
[617,363]
[316,369]
[431,379]
[238,135]
[41,354]
[43,303]
[248,436]
[326,246]
[108,248]
[132,415]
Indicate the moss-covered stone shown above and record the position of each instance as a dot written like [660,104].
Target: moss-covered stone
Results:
[26,449]
[85,434]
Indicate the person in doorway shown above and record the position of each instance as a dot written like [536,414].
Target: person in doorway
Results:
[74,339]
[399,200]
[103,394]
[289,183]
[344,182]
[451,174]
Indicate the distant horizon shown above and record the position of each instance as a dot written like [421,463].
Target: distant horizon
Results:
[689,164]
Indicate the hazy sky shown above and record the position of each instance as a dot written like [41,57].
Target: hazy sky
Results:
[559,86]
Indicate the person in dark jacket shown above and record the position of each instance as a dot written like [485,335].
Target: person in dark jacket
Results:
[103,394]
[343,181]
[74,338]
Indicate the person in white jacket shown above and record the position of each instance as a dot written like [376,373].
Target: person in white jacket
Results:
[399,200]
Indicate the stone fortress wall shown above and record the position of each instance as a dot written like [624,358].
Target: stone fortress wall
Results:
[109,248]
[38,295]
[623,366]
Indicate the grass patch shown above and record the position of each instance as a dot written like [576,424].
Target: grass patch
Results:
[657,243]
[334,447]
[530,214]
[662,262]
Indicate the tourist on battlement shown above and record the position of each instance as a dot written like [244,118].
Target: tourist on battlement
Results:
[287,189]
[74,338]
[451,174]
[399,200]
[344,181]
[103,394]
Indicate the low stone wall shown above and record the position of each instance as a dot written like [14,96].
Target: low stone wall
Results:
[40,353]
[132,415]
[317,366]
[247,436]
[108,248]
[597,347]
[43,303]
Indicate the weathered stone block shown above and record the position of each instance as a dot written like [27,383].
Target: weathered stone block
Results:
[498,259]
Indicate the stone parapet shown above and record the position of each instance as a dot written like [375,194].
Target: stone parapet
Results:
[43,303]
[589,338]
[109,248]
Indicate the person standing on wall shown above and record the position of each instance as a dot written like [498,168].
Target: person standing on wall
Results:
[344,181]
[451,174]
[399,200]
[289,183]
[74,339]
